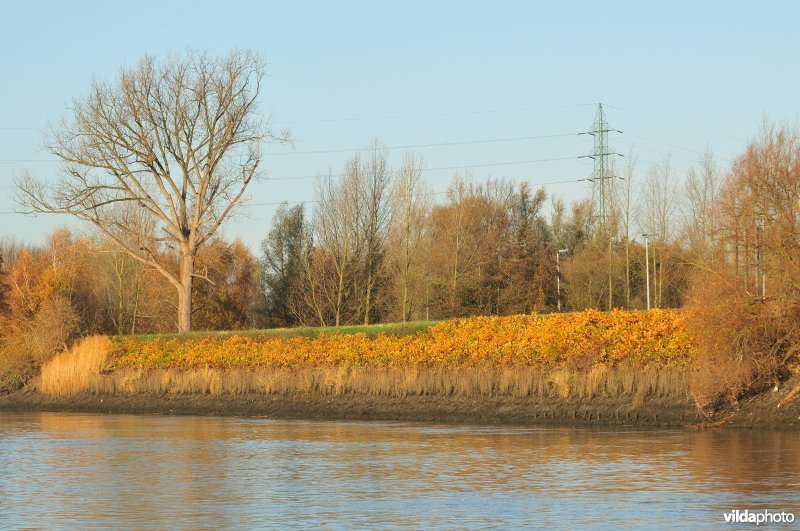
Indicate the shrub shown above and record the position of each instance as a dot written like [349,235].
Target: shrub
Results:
[745,343]
[578,340]
[35,342]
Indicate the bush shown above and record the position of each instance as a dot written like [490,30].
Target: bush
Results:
[744,343]
[35,342]
[579,340]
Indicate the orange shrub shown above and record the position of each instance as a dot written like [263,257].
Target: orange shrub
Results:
[581,339]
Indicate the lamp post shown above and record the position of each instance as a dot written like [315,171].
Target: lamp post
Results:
[647,266]
[558,277]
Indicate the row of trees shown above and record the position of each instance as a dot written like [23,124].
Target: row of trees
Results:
[74,286]
[158,159]
[379,245]
[89,286]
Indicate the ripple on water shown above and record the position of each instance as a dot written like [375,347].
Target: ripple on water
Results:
[78,470]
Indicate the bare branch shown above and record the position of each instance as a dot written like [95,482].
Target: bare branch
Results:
[180,140]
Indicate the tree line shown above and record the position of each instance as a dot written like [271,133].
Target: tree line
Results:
[377,244]
[157,160]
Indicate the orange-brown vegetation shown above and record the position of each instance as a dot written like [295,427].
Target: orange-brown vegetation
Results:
[585,354]
[77,369]
[580,339]
[75,287]
[745,306]
[625,381]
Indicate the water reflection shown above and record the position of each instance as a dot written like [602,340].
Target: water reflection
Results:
[147,471]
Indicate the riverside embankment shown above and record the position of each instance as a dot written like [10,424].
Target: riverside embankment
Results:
[617,368]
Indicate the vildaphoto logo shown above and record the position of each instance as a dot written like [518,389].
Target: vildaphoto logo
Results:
[758,517]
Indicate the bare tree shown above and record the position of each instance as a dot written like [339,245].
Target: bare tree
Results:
[454,230]
[374,184]
[335,229]
[180,140]
[309,303]
[701,189]
[660,204]
[122,288]
[412,198]
[625,205]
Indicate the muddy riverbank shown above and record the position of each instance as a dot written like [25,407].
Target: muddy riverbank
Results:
[656,412]
[769,410]
[352,407]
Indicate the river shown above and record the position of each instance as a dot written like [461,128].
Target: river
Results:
[84,470]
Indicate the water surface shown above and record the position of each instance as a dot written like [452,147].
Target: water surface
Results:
[79,470]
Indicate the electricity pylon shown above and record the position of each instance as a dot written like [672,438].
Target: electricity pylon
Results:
[601,176]
[602,188]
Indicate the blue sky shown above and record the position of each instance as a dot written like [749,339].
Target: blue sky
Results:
[343,73]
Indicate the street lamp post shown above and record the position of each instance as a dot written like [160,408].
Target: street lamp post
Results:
[558,277]
[647,266]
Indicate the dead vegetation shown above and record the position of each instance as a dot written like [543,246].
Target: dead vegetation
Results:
[745,304]
[81,370]
[34,341]
[76,370]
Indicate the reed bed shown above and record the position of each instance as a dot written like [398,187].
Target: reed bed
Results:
[76,370]
[389,382]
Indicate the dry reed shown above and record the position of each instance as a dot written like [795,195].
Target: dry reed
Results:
[469,382]
[76,370]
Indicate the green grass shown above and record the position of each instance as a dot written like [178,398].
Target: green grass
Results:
[391,329]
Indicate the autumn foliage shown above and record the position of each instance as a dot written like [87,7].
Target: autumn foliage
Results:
[577,340]
[745,299]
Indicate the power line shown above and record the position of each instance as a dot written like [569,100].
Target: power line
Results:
[666,153]
[353,150]
[434,115]
[486,165]
[674,123]
[459,167]
[518,162]
[454,143]
[390,116]
[501,163]
[652,165]
[428,145]
[461,113]
[436,144]
[676,147]
[25,161]
[314,201]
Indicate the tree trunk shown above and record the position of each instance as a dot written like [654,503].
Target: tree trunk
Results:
[627,274]
[367,298]
[339,296]
[406,267]
[405,299]
[610,277]
[185,293]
